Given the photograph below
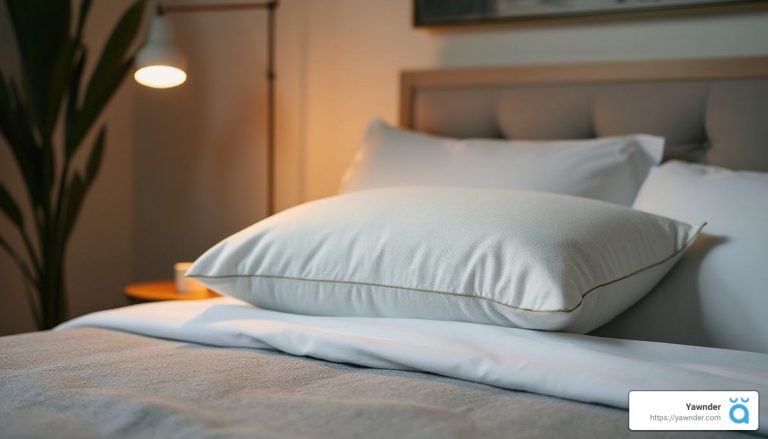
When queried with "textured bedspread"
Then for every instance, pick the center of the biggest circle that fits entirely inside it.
(85, 383)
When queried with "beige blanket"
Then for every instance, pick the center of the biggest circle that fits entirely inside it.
(93, 383)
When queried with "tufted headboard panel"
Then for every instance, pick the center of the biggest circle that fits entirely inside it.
(714, 111)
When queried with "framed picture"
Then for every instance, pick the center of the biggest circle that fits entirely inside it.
(442, 12)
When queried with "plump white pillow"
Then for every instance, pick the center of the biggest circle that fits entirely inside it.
(504, 257)
(718, 294)
(609, 169)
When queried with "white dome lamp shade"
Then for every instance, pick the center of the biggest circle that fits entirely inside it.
(159, 64)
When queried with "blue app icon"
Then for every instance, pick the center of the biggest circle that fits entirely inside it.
(739, 413)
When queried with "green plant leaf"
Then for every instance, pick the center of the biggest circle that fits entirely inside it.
(5, 245)
(85, 7)
(9, 207)
(90, 112)
(23, 145)
(62, 70)
(75, 196)
(48, 164)
(75, 81)
(18, 139)
(27, 273)
(94, 160)
(111, 68)
(80, 184)
(42, 34)
(7, 124)
(59, 81)
(70, 117)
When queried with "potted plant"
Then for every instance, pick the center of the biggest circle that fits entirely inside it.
(45, 118)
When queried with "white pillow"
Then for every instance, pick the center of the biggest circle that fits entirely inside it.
(609, 169)
(505, 257)
(718, 294)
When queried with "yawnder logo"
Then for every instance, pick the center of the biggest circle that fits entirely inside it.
(739, 413)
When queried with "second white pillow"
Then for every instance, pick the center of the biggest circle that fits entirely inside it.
(610, 169)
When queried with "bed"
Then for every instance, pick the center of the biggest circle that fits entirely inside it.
(224, 368)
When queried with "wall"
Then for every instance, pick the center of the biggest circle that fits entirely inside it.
(354, 51)
(101, 249)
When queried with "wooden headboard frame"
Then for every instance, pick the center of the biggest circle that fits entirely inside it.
(699, 69)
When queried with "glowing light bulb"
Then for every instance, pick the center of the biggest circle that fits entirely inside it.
(160, 76)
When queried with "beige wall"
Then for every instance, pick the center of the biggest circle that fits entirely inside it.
(101, 249)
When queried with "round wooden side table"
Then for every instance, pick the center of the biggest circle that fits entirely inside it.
(163, 290)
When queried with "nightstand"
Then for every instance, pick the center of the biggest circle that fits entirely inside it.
(162, 290)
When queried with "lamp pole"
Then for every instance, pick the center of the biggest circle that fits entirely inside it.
(271, 7)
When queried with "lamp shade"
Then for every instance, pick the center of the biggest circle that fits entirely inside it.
(159, 64)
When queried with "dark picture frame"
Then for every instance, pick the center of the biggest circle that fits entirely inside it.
(429, 13)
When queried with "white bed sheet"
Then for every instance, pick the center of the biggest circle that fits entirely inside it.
(577, 367)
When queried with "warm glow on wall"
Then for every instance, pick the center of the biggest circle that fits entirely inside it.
(160, 76)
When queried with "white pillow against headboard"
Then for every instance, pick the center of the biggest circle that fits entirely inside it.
(717, 295)
(610, 169)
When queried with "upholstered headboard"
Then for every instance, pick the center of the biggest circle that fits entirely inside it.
(715, 111)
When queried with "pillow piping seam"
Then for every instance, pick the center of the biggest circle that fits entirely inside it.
(465, 295)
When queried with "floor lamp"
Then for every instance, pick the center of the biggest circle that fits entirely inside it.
(159, 64)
